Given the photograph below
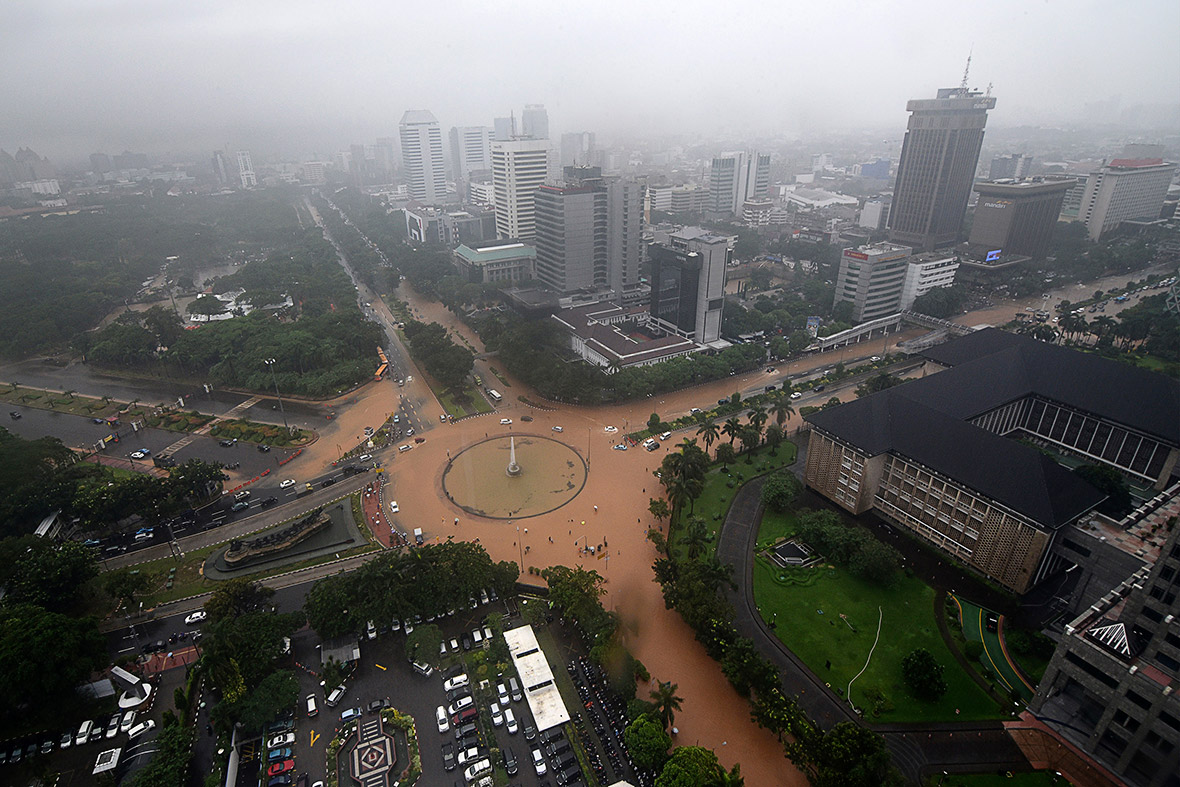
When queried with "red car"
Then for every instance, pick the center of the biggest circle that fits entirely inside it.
(280, 767)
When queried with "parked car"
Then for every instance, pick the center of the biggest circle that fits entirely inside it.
(141, 728)
(470, 754)
(312, 708)
(510, 722)
(510, 762)
(279, 754)
(280, 767)
(350, 714)
(539, 762)
(526, 418)
(127, 721)
(440, 717)
(505, 421)
(113, 726)
(448, 756)
(456, 682)
(558, 429)
(278, 741)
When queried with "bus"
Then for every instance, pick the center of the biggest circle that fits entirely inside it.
(494, 395)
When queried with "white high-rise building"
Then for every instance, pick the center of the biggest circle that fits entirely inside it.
(505, 128)
(422, 156)
(471, 149)
(534, 121)
(1124, 189)
(519, 168)
(246, 170)
(736, 177)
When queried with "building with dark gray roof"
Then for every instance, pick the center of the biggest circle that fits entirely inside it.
(935, 455)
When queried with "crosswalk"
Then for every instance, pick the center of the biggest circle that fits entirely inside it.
(228, 415)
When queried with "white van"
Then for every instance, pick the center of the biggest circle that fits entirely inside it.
(336, 695)
(83, 732)
(312, 710)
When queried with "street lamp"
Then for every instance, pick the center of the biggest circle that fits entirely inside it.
(271, 363)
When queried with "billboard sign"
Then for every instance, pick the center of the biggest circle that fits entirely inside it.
(992, 256)
(813, 324)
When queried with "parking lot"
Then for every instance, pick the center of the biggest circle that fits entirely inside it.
(383, 673)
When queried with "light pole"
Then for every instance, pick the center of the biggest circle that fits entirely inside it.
(271, 363)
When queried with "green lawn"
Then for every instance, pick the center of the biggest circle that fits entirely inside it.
(806, 603)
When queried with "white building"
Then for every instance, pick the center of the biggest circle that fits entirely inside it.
(927, 272)
(480, 192)
(422, 156)
(1124, 189)
(519, 168)
(44, 187)
(246, 170)
(315, 171)
(872, 278)
(736, 177)
(874, 214)
(534, 121)
(471, 149)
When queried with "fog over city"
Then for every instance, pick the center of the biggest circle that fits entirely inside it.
(297, 77)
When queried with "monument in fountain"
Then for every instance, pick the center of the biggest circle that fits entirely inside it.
(513, 468)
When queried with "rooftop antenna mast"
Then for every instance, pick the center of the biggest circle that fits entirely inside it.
(967, 70)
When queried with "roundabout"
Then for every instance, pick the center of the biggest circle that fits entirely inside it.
(514, 477)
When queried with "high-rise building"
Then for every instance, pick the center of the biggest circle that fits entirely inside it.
(872, 278)
(1016, 165)
(422, 156)
(937, 167)
(736, 177)
(688, 283)
(471, 150)
(519, 168)
(874, 214)
(505, 128)
(1123, 190)
(100, 163)
(534, 121)
(925, 272)
(220, 167)
(1109, 688)
(1017, 217)
(877, 169)
(246, 170)
(577, 148)
(588, 233)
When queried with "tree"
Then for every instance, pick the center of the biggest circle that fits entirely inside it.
(726, 455)
(732, 429)
(774, 438)
(875, 561)
(125, 586)
(1111, 483)
(237, 596)
(422, 644)
(690, 766)
(667, 703)
(695, 538)
(38, 571)
(647, 743)
(758, 417)
(708, 432)
(168, 767)
(44, 655)
(658, 508)
(848, 755)
(781, 408)
(747, 669)
(878, 382)
(207, 305)
(653, 422)
(781, 490)
(750, 436)
(923, 675)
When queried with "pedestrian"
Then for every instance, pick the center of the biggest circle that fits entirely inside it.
(596, 509)
(550, 539)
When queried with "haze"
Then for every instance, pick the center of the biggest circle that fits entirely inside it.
(295, 77)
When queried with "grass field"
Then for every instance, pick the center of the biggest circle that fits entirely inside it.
(722, 485)
(805, 605)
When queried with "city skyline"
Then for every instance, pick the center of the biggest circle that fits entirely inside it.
(295, 82)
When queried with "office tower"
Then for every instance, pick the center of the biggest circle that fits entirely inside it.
(422, 156)
(124, 160)
(471, 150)
(246, 170)
(534, 121)
(736, 177)
(937, 166)
(519, 168)
(100, 163)
(821, 161)
(588, 232)
(505, 128)
(878, 169)
(315, 171)
(220, 168)
(384, 156)
(874, 214)
(925, 272)
(1016, 165)
(1017, 217)
(872, 278)
(577, 148)
(1123, 190)
(1109, 688)
(688, 283)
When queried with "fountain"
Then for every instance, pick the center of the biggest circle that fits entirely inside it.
(513, 468)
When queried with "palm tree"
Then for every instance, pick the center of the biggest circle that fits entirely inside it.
(709, 432)
(667, 703)
(732, 778)
(696, 537)
(750, 436)
(726, 455)
(758, 417)
(781, 409)
(774, 436)
(732, 428)
(714, 573)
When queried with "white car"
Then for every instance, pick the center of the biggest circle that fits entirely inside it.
(558, 429)
(393, 508)
(797, 395)
(621, 447)
(505, 421)
(468, 755)
(128, 720)
(440, 716)
(279, 741)
(140, 454)
(364, 457)
(539, 762)
(510, 722)
(457, 682)
(290, 482)
(497, 716)
(371, 630)
(140, 729)
(461, 704)
(610, 429)
(195, 617)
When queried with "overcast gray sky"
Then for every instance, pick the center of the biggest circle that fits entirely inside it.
(292, 77)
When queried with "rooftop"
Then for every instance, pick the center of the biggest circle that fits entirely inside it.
(540, 690)
(504, 251)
